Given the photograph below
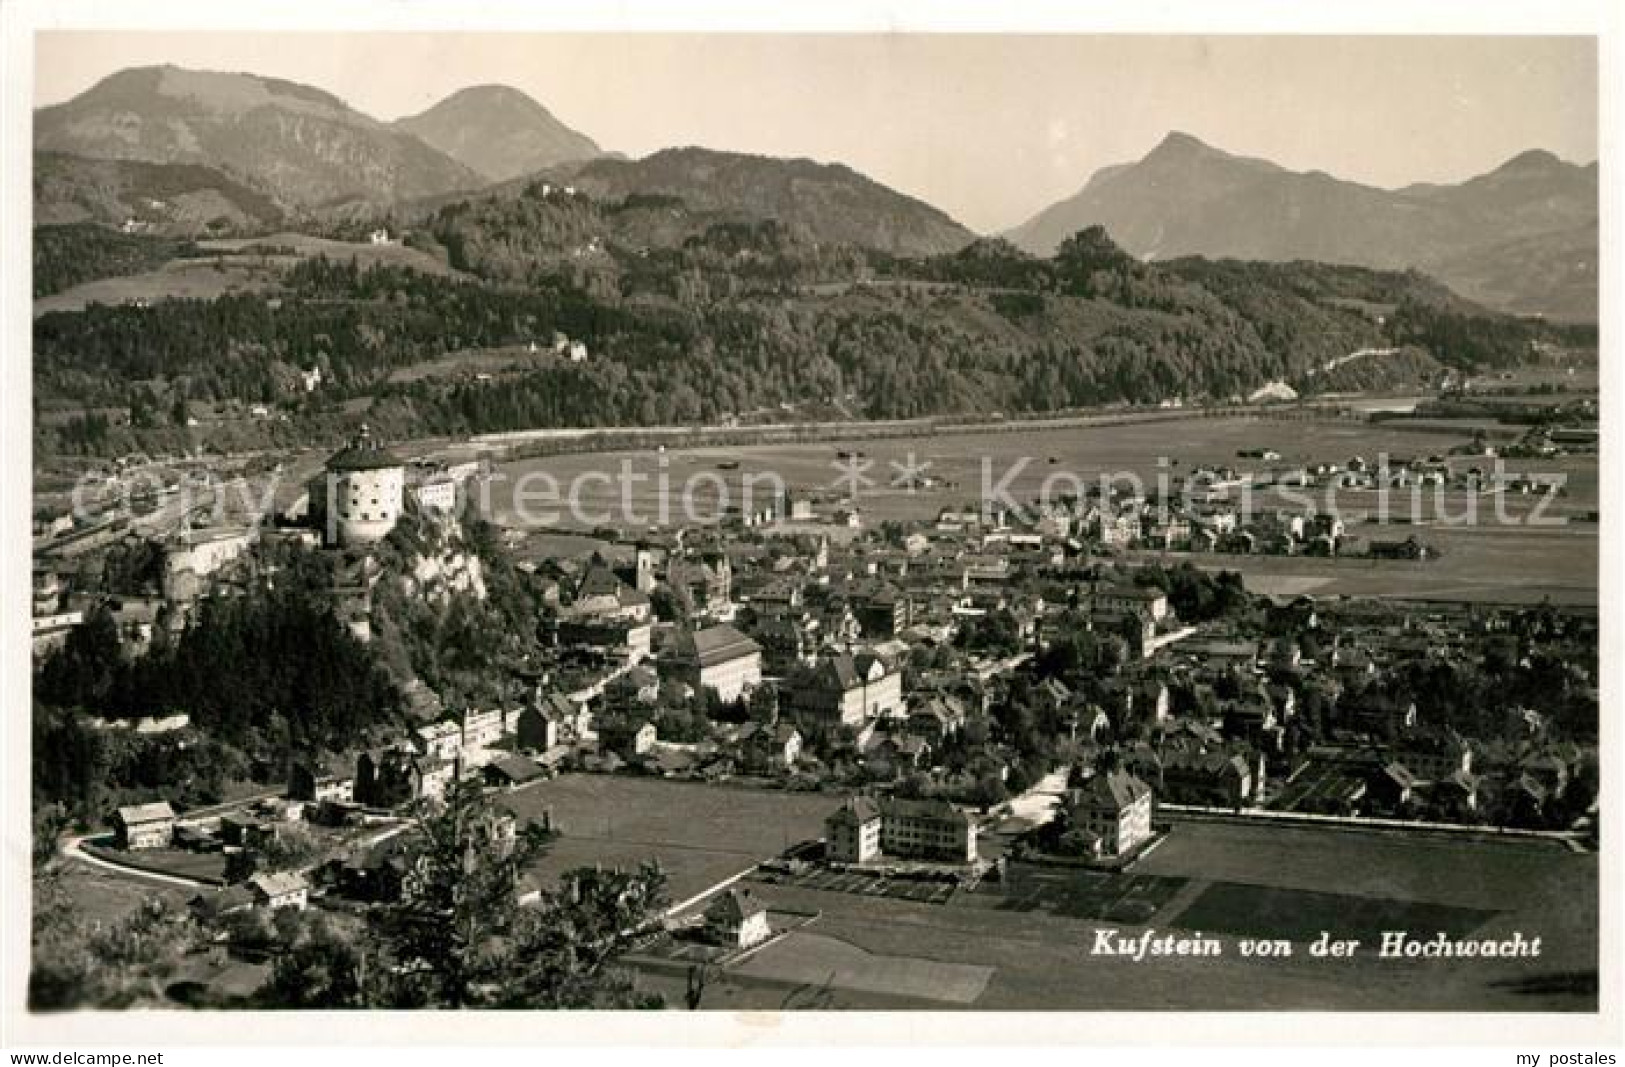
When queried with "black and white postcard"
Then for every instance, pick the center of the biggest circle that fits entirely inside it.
(715, 518)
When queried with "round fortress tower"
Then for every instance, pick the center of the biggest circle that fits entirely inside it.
(365, 488)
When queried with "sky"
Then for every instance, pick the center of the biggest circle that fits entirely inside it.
(989, 128)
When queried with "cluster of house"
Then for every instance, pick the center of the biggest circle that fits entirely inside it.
(145, 827)
(1239, 737)
(562, 347)
(844, 658)
(1221, 509)
(1448, 778)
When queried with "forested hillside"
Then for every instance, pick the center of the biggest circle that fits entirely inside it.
(693, 316)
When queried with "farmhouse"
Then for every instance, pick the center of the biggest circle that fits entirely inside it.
(1393, 786)
(509, 771)
(242, 829)
(537, 728)
(628, 738)
(311, 781)
(937, 718)
(439, 740)
(279, 889)
(770, 747)
(738, 919)
(142, 826)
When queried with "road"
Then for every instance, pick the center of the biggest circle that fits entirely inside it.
(1038, 804)
(72, 848)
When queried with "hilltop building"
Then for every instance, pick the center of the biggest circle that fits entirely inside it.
(359, 500)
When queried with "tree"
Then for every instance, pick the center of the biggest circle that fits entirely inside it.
(700, 976)
(106, 965)
(82, 673)
(50, 820)
(444, 942)
(565, 947)
(460, 938)
(321, 969)
(763, 703)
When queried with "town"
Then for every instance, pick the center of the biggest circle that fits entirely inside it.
(1056, 526)
(946, 702)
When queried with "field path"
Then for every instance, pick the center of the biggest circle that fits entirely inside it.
(73, 849)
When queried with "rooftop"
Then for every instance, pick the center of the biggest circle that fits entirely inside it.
(139, 813)
(362, 454)
(719, 644)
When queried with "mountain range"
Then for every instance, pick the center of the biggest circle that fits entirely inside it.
(303, 146)
(498, 132)
(833, 202)
(247, 152)
(315, 157)
(1522, 238)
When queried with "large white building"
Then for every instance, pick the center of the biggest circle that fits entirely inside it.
(1130, 599)
(196, 554)
(862, 829)
(719, 658)
(364, 489)
(845, 690)
(852, 833)
(1115, 807)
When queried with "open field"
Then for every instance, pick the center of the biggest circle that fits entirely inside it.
(1508, 875)
(1263, 879)
(469, 362)
(1077, 893)
(700, 834)
(290, 247)
(1490, 564)
(181, 279)
(102, 897)
(1492, 559)
(1263, 912)
(231, 266)
(1017, 461)
(202, 866)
